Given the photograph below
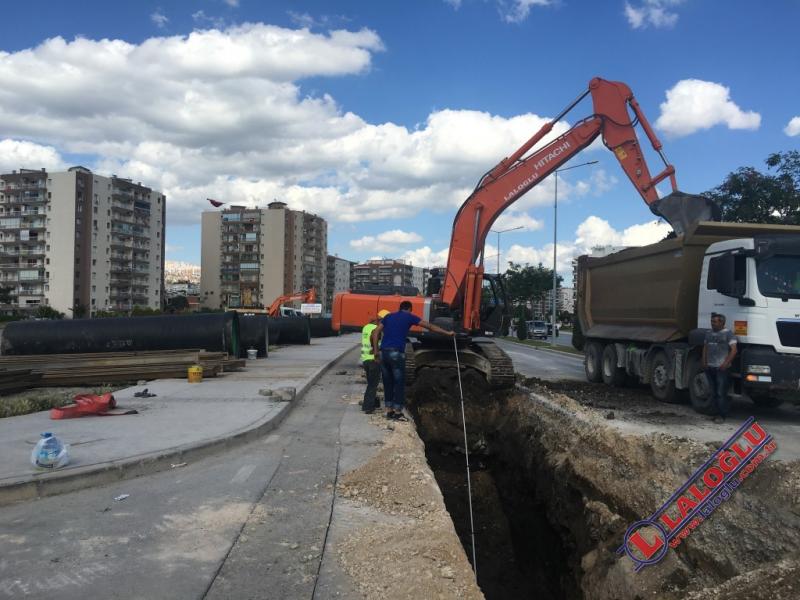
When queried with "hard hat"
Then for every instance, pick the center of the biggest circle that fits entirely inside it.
(382, 313)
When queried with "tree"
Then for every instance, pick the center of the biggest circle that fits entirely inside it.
(749, 196)
(528, 283)
(5, 295)
(47, 312)
(178, 303)
(79, 311)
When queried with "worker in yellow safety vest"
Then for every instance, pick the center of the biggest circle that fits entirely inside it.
(371, 366)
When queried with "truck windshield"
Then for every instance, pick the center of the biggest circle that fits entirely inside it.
(779, 276)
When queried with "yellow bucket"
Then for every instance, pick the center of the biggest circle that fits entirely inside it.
(195, 374)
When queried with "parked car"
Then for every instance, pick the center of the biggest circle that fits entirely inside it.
(537, 329)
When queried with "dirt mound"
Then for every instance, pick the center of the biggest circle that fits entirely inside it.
(415, 553)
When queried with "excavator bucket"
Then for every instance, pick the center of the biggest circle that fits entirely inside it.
(683, 211)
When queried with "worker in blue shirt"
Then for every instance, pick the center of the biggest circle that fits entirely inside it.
(392, 355)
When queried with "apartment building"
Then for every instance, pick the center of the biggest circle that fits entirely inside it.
(80, 242)
(339, 278)
(389, 272)
(250, 256)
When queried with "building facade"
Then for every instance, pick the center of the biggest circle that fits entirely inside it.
(389, 272)
(250, 256)
(79, 242)
(339, 278)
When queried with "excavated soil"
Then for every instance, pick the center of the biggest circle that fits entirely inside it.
(414, 551)
(556, 488)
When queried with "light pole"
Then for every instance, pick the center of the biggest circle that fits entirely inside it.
(498, 242)
(555, 244)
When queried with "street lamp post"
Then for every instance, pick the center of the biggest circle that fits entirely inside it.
(555, 246)
(498, 242)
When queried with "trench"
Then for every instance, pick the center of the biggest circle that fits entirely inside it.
(522, 548)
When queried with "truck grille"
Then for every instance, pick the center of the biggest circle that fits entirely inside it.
(789, 332)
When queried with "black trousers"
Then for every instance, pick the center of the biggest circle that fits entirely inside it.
(373, 371)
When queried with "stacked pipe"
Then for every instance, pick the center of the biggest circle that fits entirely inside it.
(216, 332)
(321, 328)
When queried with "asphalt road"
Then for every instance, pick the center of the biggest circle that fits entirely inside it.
(536, 362)
(196, 530)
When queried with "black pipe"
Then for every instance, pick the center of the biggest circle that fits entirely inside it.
(215, 332)
(289, 330)
(321, 328)
(254, 333)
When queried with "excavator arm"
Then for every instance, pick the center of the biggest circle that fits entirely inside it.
(515, 175)
(308, 296)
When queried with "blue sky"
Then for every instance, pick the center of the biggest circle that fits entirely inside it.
(382, 115)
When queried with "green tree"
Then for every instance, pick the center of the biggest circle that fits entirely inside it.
(528, 283)
(178, 303)
(750, 196)
(5, 295)
(47, 312)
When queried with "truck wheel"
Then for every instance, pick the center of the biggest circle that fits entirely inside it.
(592, 359)
(612, 374)
(764, 399)
(661, 384)
(699, 389)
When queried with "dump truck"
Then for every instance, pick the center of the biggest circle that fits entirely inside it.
(644, 312)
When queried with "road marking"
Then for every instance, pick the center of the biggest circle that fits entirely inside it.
(243, 474)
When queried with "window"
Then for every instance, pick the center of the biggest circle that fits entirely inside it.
(94, 261)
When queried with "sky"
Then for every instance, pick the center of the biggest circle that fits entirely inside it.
(382, 116)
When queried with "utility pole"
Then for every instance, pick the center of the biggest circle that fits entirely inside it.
(498, 242)
(555, 246)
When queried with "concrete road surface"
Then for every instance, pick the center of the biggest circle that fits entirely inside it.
(181, 533)
(551, 366)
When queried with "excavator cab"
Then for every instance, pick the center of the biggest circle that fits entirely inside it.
(494, 305)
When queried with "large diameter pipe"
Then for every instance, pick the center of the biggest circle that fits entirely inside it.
(254, 333)
(289, 330)
(321, 328)
(215, 332)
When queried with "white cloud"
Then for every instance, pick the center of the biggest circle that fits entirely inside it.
(387, 241)
(511, 219)
(15, 154)
(159, 19)
(592, 232)
(652, 13)
(232, 3)
(203, 20)
(518, 10)
(425, 257)
(693, 105)
(793, 127)
(219, 113)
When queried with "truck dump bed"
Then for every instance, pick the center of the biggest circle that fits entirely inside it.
(650, 294)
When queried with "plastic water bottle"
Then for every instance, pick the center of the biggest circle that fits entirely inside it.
(50, 453)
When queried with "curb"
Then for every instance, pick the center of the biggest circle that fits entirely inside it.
(52, 484)
(578, 356)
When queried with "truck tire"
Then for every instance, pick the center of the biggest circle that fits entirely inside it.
(763, 399)
(592, 361)
(612, 374)
(661, 384)
(699, 390)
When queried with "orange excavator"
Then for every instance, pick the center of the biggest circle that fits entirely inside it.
(308, 296)
(464, 298)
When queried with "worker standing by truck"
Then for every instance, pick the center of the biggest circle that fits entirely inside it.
(719, 350)
(371, 366)
(392, 355)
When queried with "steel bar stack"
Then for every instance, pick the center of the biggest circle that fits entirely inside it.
(108, 367)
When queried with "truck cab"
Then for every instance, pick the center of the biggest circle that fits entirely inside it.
(755, 283)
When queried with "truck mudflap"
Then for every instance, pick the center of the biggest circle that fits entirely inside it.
(764, 369)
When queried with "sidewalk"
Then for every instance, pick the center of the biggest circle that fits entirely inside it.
(182, 420)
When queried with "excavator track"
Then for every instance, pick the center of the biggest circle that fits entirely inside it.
(482, 355)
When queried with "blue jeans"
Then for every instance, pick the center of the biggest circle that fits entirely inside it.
(718, 382)
(393, 369)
